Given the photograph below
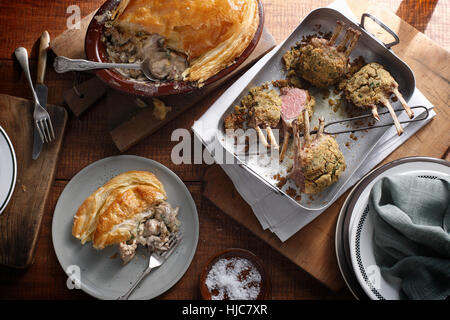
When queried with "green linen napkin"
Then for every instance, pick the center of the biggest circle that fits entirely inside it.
(412, 233)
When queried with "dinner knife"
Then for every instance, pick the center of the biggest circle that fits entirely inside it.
(41, 89)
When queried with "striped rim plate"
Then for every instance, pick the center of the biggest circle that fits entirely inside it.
(376, 285)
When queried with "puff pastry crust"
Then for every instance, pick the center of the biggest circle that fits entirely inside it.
(110, 214)
(212, 33)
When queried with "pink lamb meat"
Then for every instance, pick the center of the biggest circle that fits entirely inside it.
(294, 101)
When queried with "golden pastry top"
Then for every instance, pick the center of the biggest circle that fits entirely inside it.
(212, 33)
(111, 213)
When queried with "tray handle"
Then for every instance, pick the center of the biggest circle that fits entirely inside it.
(385, 27)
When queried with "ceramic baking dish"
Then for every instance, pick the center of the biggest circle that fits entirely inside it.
(96, 51)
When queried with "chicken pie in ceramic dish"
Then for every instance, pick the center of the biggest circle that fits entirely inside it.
(187, 40)
(129, 210)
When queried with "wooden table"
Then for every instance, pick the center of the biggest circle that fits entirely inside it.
(87, 140)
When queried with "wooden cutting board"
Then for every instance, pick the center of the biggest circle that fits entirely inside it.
(312, 248)
(20, 222)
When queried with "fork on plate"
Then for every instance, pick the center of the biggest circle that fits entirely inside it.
(41, 117)
(155, 261)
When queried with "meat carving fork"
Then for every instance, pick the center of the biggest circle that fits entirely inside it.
(423, 116)
(375, 125)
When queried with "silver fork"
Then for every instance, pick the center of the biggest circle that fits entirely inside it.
(155, 261)
(40, 115)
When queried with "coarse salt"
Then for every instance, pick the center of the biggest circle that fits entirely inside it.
(233, 279)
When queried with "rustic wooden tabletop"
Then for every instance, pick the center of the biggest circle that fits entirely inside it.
(87, 140)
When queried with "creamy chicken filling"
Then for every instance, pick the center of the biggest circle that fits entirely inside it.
(125, 47)
(152, 232)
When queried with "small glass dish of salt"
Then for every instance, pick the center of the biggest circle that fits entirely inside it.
(234, 274)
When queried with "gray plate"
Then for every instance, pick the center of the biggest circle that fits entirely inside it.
(344, 263)
(106, 278)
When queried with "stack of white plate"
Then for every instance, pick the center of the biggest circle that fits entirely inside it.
(8, 169)
(354, 230)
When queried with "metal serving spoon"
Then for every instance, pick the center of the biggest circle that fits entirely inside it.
(63, 64)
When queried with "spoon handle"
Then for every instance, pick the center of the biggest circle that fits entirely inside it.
(63, 64)
(22, 56)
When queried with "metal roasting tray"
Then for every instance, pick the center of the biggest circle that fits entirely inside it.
(355, 148)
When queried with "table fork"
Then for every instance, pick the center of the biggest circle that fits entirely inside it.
(41, 117)
(155, 261)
